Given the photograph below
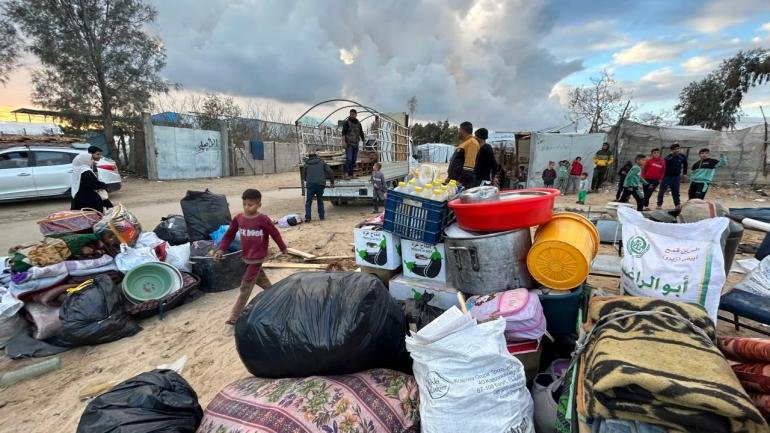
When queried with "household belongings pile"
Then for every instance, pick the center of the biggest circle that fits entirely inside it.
(91, 274)
(487, 254)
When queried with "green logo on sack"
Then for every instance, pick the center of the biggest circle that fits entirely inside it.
(638, 246)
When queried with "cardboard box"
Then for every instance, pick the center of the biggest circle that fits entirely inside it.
(444, 297)
(528, 352)
(377, 249)
(424, 261)
(385, 275)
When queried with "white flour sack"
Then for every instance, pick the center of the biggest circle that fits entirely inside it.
(467, 379)
(676, 262)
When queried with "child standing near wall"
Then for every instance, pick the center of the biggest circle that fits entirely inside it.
(585, 185)
(562, 175)
(549, 175)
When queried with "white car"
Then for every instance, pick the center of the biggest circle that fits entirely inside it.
(28, 172)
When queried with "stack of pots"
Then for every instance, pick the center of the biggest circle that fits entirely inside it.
(491, 249)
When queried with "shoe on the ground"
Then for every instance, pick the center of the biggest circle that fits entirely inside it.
(375, 211)
(658, 207)
(646, 209)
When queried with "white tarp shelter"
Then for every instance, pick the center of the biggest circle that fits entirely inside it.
(436, 152)
(545, 147)
(745, 149)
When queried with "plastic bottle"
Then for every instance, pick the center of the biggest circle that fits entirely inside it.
(401, 187)
(452, 188)
(411, 186)
(438, 195)
(417, 191)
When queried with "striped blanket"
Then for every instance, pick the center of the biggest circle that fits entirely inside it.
(644, 363)
(374, 401)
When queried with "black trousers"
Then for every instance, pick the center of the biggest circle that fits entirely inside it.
(696, 190)
(621, 181)
(649, 190)
(633, 191)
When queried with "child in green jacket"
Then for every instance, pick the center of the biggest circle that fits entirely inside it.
(703, 174)
(634, 182)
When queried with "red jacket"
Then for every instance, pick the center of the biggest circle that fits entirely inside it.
(254, 236)
(577, 169)
(654, 169)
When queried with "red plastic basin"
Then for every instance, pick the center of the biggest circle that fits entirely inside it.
(516, 209)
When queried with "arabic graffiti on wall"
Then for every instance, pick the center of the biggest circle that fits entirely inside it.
(206, 145)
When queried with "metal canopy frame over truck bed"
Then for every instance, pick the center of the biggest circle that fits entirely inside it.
(386, 136)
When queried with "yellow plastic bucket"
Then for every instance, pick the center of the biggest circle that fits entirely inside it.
(561, 256)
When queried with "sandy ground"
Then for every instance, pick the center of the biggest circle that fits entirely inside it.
(50, 403)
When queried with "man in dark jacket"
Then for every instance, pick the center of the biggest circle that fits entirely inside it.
(316, 173)
(486, 164)
(352, 133)
(676, 166)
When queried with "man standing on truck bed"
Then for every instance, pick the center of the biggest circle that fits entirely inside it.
(352, 133)
(463, 163)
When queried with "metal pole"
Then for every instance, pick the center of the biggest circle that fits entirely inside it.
(764, 162)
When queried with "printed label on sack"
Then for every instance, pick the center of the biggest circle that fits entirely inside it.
(496, 380)
(437, 386)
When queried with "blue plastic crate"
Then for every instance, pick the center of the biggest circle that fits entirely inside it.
(416, 218)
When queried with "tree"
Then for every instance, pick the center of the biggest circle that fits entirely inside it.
(9, 49)
(411, 104)
(715, 101)
(216, 108)
(703, 103)
(601, 103)
(96, 57)
(438, 132)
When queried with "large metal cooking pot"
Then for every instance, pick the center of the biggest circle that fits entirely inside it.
(480, 264)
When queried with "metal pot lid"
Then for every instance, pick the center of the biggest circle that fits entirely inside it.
(454, 231)
(480, 194)
(513, 195)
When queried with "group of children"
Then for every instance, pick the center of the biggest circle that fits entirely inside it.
(568, 178)
(639, 180)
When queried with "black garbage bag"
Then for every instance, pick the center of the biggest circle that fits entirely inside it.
(173, 229)
(156, 401)
(95, 315)
(316, 323)
(418, 313)
(204, 213)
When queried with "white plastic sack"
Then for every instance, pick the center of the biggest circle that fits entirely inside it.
(179, 257)
(8, 304)
(676, 262)
(129, 258)
(148, 239)
(758, 280)
(467, 379)
(10, 321)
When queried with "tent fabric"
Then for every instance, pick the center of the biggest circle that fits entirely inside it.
(555, 147)
(436, 152)
(744, 148)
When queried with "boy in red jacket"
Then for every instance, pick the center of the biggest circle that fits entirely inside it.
(652, 172)
(254, 229)
(576, 170)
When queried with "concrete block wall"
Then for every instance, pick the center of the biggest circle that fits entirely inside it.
(285, 158)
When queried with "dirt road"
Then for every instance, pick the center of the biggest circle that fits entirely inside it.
(50, 403)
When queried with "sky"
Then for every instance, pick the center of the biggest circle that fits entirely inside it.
(502, 64)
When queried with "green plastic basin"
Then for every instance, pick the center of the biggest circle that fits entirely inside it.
(150, 281)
